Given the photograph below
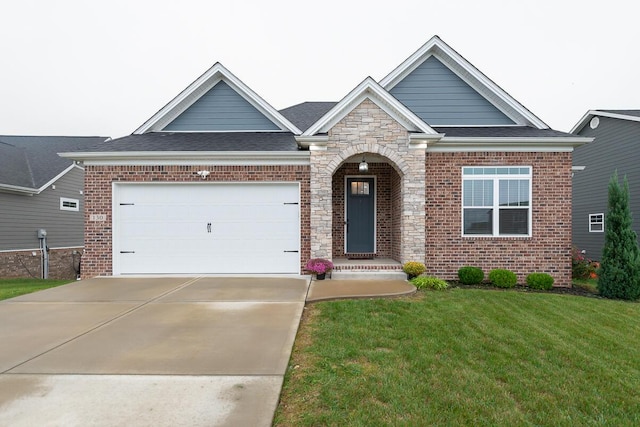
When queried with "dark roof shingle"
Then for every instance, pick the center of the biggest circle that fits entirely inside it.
(33, 161)
(199, 141)
(500, 132)
(307, 113)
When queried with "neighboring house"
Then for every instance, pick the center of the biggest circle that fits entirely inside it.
(616, 147)
(41, 190)
(218, 181)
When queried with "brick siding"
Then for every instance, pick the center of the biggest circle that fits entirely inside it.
(386, 225)
(97, 259)
(548, 250)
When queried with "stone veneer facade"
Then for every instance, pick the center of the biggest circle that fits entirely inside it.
(548, 250)
(97, 258)
(63, 263)
(368, 129)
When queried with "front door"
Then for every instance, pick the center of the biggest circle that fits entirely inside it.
(360, 224)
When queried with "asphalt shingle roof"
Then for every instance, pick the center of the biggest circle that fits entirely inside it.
(199, 141)
(500, 132)
(305, 114)
(33, 161)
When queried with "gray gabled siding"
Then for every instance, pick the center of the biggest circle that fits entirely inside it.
(221, 109)
(22, 215)
(439, 97)
(616, 146)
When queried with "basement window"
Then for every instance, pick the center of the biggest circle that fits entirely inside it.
(69, 204)
(596, 223)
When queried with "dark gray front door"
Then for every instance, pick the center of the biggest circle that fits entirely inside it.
(360, 215)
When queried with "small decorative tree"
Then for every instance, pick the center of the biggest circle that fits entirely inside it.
(619, 275)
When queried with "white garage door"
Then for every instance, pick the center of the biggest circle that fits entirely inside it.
(206, 228)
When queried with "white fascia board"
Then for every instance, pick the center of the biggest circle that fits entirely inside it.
(32, 191)
(60, 175)
(591, 113)
(548, 144)
(468, 73)
(17, 189)
(199, 87)
(370, 89)
(313, 143)
(170, 158)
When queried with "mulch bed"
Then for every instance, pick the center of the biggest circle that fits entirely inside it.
(574, 290)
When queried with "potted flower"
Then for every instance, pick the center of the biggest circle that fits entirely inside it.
(413, 269)
(319, 267)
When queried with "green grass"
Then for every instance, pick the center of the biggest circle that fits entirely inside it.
(465, 357)
(10, 288)
(590, 285)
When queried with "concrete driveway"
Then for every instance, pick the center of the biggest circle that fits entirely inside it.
(169, 351)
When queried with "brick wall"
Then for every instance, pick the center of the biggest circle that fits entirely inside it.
(63, 263)
(98, 183)
(549, 248)
(384, 212)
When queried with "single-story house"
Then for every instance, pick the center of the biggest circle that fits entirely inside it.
(433, 163)
(40, 190)
(616, 147)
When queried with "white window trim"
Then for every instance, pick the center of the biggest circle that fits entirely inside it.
(64, 200)
(591, 216)
(496, 197)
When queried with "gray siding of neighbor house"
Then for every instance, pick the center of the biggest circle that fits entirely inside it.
(21, 215)
(439, 97)
(616, 147)
(221, 109)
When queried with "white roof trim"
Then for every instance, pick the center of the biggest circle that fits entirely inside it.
(591, 113)
(470, 74)
(540, 144)
(235, 158)
(32, 191)
(370, 89)
(202, 85)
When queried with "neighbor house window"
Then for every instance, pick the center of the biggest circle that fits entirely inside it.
(69, 204)
(496, 201)
(596, 223)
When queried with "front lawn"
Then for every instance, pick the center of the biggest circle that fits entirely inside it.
(10, 288)
(465, 357)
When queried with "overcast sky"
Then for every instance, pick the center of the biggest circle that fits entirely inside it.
(72, 67)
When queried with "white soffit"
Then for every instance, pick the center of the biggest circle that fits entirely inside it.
(370, 89)
(202, 85)
(470, 75)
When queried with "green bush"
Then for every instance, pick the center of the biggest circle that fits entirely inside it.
(503, 278)
(413, 269)
(540, 281)
(422, 282)
(470, 275)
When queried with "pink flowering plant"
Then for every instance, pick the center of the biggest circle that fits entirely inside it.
(319, 265)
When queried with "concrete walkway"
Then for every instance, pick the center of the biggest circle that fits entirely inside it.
(148, 351)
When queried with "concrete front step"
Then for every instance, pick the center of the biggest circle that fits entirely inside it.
(368, 275)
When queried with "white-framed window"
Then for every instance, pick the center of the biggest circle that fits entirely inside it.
(496, 201)
(596, 223)
(69, 204)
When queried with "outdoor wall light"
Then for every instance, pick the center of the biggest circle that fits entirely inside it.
(203, 174)
(364, 166)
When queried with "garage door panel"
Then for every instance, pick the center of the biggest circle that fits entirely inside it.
(164, 228)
